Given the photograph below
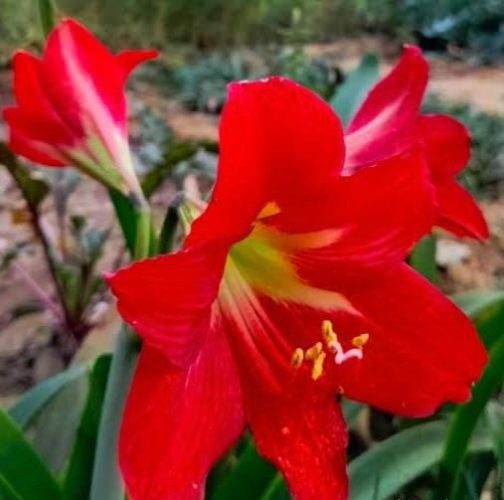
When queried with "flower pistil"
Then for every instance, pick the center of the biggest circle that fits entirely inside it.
(317, 354)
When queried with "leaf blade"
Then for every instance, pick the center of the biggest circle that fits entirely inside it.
(351, 94)
(77, 480)
(21, 467)
(385, 468)
(25, 410)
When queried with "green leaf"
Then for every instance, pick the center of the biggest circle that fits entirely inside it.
(127, 216)
(36, 399)
(351, 94)
(53, 430)
(423, 258)
(168, 231)
(77, 481)
(351, 410)
(34, 189)
(20, 466)
(277, 489)
(385, 468)
(248, 480)
(475, 474)
(71, 284)
(176, 153)
(477, 303)
(46, 14)
(464, 421)
(495, 419)
(7, 492)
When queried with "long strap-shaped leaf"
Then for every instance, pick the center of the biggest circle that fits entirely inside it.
(6, 490)
(250, 478)
(351, 94)
(487, 312)
(387, 467)
(21, 468)
(34, 401)
(464, 422)
(77, 480)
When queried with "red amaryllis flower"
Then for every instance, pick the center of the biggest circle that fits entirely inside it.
(389, 121)
(290, 289)
(71, 106)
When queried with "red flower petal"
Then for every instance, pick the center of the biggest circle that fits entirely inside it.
(459, 212)
(83, 80)
(385, 123)
(168, 300)
(422, 350)
(307, 443)
(33, 150)
(34, 136)
(279, 143)
(38, 127)
(129, 59)
(27, 85)
(179, 422)
(381, 212)
(446, 143)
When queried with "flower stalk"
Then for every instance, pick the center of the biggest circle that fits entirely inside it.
(46, 15)
(106, 481)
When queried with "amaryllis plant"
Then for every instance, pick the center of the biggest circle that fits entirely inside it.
(389, 122)
(291, 287)
(71, 106)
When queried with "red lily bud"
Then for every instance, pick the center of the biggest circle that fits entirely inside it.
(71, 106)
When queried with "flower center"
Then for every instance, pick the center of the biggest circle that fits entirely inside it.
(264, 260)
(317, 355)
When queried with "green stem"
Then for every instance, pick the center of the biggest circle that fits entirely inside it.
(107, 483)
(46, 15)
(143, 224)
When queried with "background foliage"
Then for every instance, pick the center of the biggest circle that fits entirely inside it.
(459, 452)
(219, 23)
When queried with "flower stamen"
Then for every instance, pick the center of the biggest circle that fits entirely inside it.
(314, 352)
(361, 340)
(318, 366)
(329, 336)
(332, 343)
(317, 354)
(297, 358)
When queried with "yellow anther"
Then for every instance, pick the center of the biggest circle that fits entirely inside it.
(313, 352)
(328, 334)
(318, 366)
(297, 358)
(269, 209)
(360, 341)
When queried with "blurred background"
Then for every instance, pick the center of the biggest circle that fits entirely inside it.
(57, 233)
